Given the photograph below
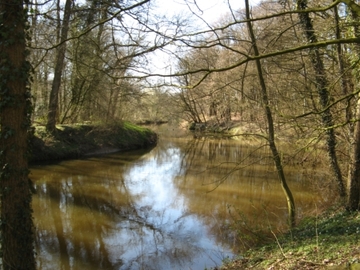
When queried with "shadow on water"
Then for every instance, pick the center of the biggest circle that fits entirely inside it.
(163, 209)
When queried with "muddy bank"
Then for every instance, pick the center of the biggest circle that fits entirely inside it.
(77, 141)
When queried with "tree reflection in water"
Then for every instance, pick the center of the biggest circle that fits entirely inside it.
(154, 210)
(119, 212)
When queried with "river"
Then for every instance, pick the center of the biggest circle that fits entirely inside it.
(171, 207)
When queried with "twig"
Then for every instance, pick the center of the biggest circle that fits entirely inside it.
(278, 243)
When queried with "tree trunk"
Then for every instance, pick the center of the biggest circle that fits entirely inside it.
(346, 82)
(353, 181)
(17, 238)
(270, 123)
(353, 185)
(322, 89)
(54, 94)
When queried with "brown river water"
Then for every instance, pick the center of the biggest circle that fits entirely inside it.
(167, 208)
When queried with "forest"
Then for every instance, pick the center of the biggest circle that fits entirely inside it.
(283, 70)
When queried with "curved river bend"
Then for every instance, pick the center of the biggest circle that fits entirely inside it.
(168, 208)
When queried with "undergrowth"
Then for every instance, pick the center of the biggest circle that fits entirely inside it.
(328, 241)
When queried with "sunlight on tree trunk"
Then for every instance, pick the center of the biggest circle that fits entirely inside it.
(54, 94)
(322, 85)
(271, 132)
(353, 181)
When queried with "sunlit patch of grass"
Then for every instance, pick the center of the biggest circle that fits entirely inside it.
(318, 242)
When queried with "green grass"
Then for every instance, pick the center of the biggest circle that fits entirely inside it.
(330, 241)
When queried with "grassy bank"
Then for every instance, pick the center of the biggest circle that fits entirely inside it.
(76, 141)
(329, 241)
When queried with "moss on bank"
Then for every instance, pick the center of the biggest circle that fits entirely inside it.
(76, 141)
(330, 241)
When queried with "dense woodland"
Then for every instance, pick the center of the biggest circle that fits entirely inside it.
(283, 67)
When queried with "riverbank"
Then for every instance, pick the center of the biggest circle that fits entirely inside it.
(78, 141)
(327, 241)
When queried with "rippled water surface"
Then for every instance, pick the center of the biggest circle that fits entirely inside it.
(167, 208)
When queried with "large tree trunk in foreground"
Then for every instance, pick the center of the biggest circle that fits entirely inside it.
(353, 181)
(353, 185)
(17, 238)
(270, 123)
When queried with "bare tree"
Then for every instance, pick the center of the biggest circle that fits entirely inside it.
(270, 123)
(322, 86)
(353, 180)
(60, 56)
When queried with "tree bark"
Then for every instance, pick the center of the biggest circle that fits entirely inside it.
(17, 237)
(322, 85)
(270, 123)
(353, 185)
(55, 89)
(346, 83)
(353, 181)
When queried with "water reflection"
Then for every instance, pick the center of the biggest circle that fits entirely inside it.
(154, 210)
